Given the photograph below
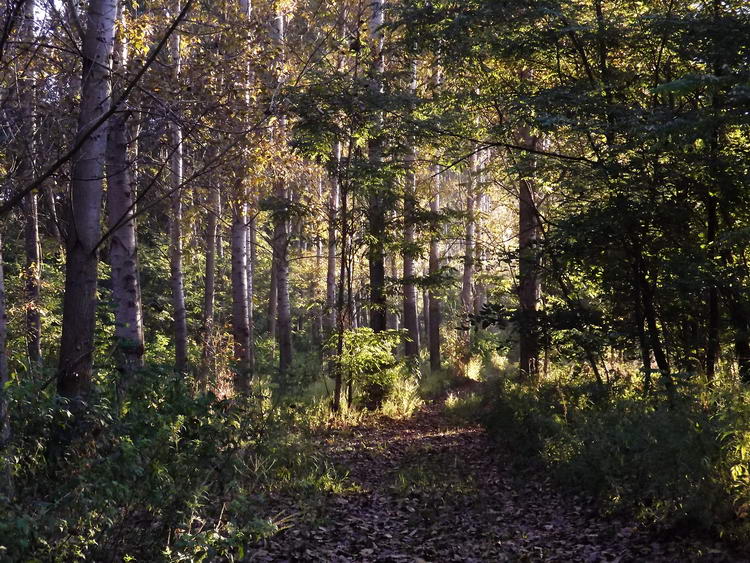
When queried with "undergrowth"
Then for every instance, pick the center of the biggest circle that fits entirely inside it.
(683, 463)
(162, 474)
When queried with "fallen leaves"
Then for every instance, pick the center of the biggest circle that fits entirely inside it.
(425, 491)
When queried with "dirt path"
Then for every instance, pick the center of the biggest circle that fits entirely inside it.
(424, 490)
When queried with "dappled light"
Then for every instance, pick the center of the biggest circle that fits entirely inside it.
(375, 280)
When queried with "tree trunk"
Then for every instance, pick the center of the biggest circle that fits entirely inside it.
(643, 344)
(649, 313)
(425, 323)
(209, 285)
(411, 319)
(33, 279)
(32, 273)
(84, 230)
(284, 320)
(6, 486)
(344, 311)
(251, 262)
(240, 318)
(529, 288)
(318, 311)
(376, 206)
(123, 258)
(480, 289)
(273, 292)
(467, 292)
(281, 232)
(392, 315)
(712, 344)
(175, 224)
(329, 318)
(435, 312)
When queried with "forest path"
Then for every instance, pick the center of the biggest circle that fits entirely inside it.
(425, 489)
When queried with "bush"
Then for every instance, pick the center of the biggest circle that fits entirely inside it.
(162, 474)
(682, 463)
(367, 360)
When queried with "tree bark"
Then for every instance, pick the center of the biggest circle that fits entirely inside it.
(434, 268)
(175, 223)
(251, 262)
(480, 289)
(529, 288)
(411, 319)
(273, 292)
(467, 290)
(84, 230)
(209, 291)
(281, 236)
(329, 317)
(240, 317)
(376, 206)
(123, 257)
(7, 485)
(712, 344)
(32, 273)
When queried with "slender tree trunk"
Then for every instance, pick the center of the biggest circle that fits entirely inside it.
(376, 206)
(33, 279)
(480, 289)
(209, 292)
(123, 257)
(411, 319)
(642, 338)
(281, 242)
(317, 320)
(32, 273)
(467, 290)
(712, 344)
(343, 302)
(329, 318)
(52, 219)
(273, 292)
(435, 311)
(240, 317)
(251, 262)
(529, 288)
(392, 316)
(84, 230)
(175, 224)
(649, 312)
(425, 324)
(281, 234)
(6, 486)
(248, 228)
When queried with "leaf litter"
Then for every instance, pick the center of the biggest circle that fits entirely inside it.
(425, 489)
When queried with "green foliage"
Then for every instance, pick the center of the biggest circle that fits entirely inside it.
(685, 463)
(367, 360)
(162, 474)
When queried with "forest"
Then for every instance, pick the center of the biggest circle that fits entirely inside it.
(375, 280)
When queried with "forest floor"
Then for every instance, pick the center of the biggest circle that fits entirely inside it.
(428, 489)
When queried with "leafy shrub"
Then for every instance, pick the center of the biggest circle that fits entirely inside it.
(682, 463)
(367, 360)
(162, 473)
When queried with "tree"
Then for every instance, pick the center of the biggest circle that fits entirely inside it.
(377, 201)
(83, 223)
(411, 320)
(175, 217)
(123, 252)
